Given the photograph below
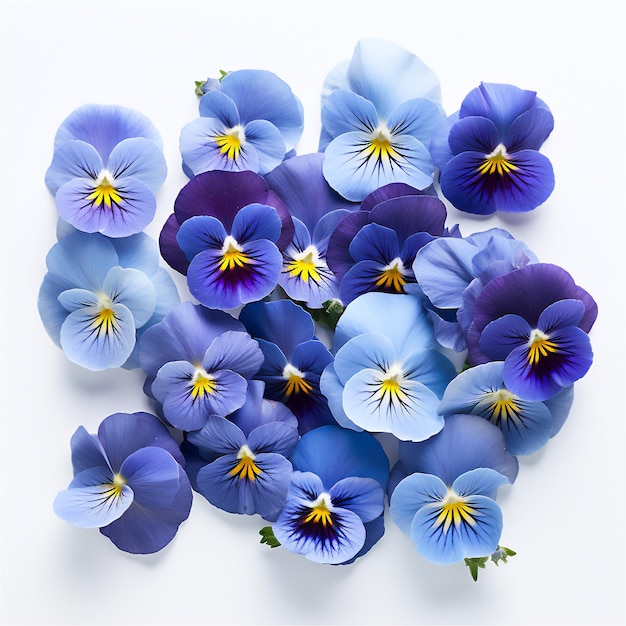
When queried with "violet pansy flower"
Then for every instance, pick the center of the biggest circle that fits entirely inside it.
(128, 481)
(107, 166)
(491, 161)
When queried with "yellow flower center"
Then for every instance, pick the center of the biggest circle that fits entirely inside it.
(202, 383)
(246, 467)
(498, 162)
(295, 381)
(380, 145)
(105, 192)
(391, 385)
(503, 406)
(320, 512)
(231, 141)
(540, 346)
(393, 276)
(305, 265)
(232, 255)
(455, 510)
(104, 322)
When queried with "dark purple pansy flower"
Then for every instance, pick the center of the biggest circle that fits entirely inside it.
(491, 161)
(373, 249)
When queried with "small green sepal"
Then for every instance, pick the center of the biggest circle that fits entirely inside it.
(199, 84)
(267, 536)
(500, 554)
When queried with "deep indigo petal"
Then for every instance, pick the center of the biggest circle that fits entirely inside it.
(168, 244)
(498, 102)
(256, 221)
(560, 315)
(474, 134)
(529, 130)
(228, 289)
(87, 451)
(522, 188)
(337, 254)
(503, 335)
(375, 242)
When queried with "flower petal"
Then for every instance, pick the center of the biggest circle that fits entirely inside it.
(73, 159)
(138, 158)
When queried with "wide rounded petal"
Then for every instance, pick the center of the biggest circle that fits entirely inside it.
(345, 111)
(152, 474)
(474, 533)
(225, 486)
(92, 500)
(218, 435)
(128, 211)
(138, 158)
(419, 117)
(256, 221)
(169, 247)
(87, 451)
(230, 288)
(74, 159)
(529, 130)
(332, 388)
(374, 351)
(104, 126)
(134, 290)
(144, 531)
(363, 496)
(218, 105)
(473, 134)
(236, 351)
(98, 338)
(353, 170)
(268, 144)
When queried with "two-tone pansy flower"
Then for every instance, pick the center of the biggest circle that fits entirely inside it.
(107, 166)
(99, 295)
(226, 234)
(129, 482)
(249, 120)
(527, 425)
(246, 470)
(443, 490)
(387, 375)
(373, 249)
(316, 210)
(380, 112)
(334, 507)
(536, 320)
(198, 362)
(490, 160)
(294, 359)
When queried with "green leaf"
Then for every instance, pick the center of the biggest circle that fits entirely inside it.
(222, 75)
(330, 313)
(267, 536)
(474, 564)
(198, 84)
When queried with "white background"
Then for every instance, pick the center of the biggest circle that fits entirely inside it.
(564, 515)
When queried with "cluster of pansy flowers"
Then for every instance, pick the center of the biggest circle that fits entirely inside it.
(460, 350)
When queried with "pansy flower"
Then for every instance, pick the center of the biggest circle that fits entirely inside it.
(387, 375)
(249, 120)
(316, 210)
(107, 166)
(226, 234)
(443, 490)
(526, 425)
(335, 502)
(493, 163)
(249, 470)
(379, 114)
(373, 249)
(294, 359)
(198, 362)
(100, 294)
(536, 320)
(129, 482)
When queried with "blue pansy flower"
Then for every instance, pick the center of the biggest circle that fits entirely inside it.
(100, 294)
(378, 119)
(526, 425)
(316, 210)
(107, 166)
(128, 481)
(387, 375)
(249, 470)
(443, 490)
(335, 502)
(198, 362)
(492, 162)
(294, 359)
(249, 120)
